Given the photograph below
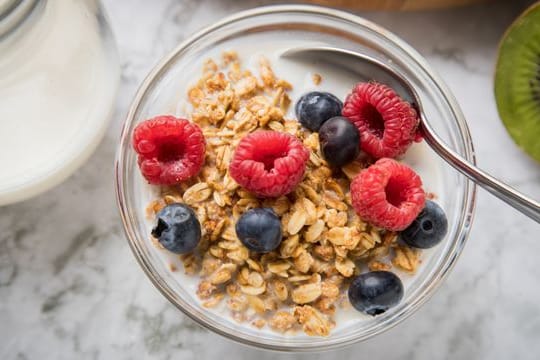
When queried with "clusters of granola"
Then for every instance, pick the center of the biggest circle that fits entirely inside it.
(325, 243)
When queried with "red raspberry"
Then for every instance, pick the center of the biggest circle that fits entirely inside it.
(170, 150)
(388, 194)
(269, 163)
(388, 125)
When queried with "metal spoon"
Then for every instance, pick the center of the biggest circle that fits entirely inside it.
(381, 72)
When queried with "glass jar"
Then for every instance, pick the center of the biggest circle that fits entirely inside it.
(159, 94)
(59, 74)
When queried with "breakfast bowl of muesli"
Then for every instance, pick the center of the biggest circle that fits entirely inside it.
(291, 204)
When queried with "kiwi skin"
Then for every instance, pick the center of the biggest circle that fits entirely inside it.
(517, 81)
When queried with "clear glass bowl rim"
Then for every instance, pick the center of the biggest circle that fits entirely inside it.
(319, 344)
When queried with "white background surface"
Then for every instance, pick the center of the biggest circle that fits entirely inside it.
(70, 288)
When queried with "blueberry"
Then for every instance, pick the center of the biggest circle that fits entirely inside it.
(375, 292)
(428, 229)
(339, 140)
(259, 230)
(178, 228)
(315, 107)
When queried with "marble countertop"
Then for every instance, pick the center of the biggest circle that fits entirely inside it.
(71, 289)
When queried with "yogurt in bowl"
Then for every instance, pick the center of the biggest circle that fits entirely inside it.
(166, 92)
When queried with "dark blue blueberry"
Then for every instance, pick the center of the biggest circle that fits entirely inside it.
(315, 107)
(259, 230)
(178, 228)
(339, 140)
(428, 229)
(375, 292)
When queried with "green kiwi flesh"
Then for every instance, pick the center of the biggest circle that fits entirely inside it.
(517, 81)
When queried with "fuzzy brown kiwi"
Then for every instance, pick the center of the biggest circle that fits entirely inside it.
(517, 81)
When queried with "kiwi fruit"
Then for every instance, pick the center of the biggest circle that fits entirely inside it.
(517, 81)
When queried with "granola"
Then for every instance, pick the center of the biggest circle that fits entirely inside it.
(300, 285)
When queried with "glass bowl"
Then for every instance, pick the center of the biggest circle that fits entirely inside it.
(160, 94)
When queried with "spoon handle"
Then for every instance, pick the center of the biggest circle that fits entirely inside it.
(506, 193)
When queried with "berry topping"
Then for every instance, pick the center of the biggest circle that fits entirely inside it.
(375, 292)
(428, 229)
(315, 107)
(259, 230)
(388, 125)
(177, 229)
(339, 141)
(170, 150)
(388, 194)
(269, 163)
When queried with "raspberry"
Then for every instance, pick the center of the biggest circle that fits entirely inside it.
(269, 163)
(170, 149)
(388, 125)
(388, 194)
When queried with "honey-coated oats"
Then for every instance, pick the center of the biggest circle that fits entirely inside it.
(300, 285)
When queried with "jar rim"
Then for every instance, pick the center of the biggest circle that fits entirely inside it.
(15, 13)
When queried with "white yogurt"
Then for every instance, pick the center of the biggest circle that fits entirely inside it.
(57, 87)
(299, 74)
